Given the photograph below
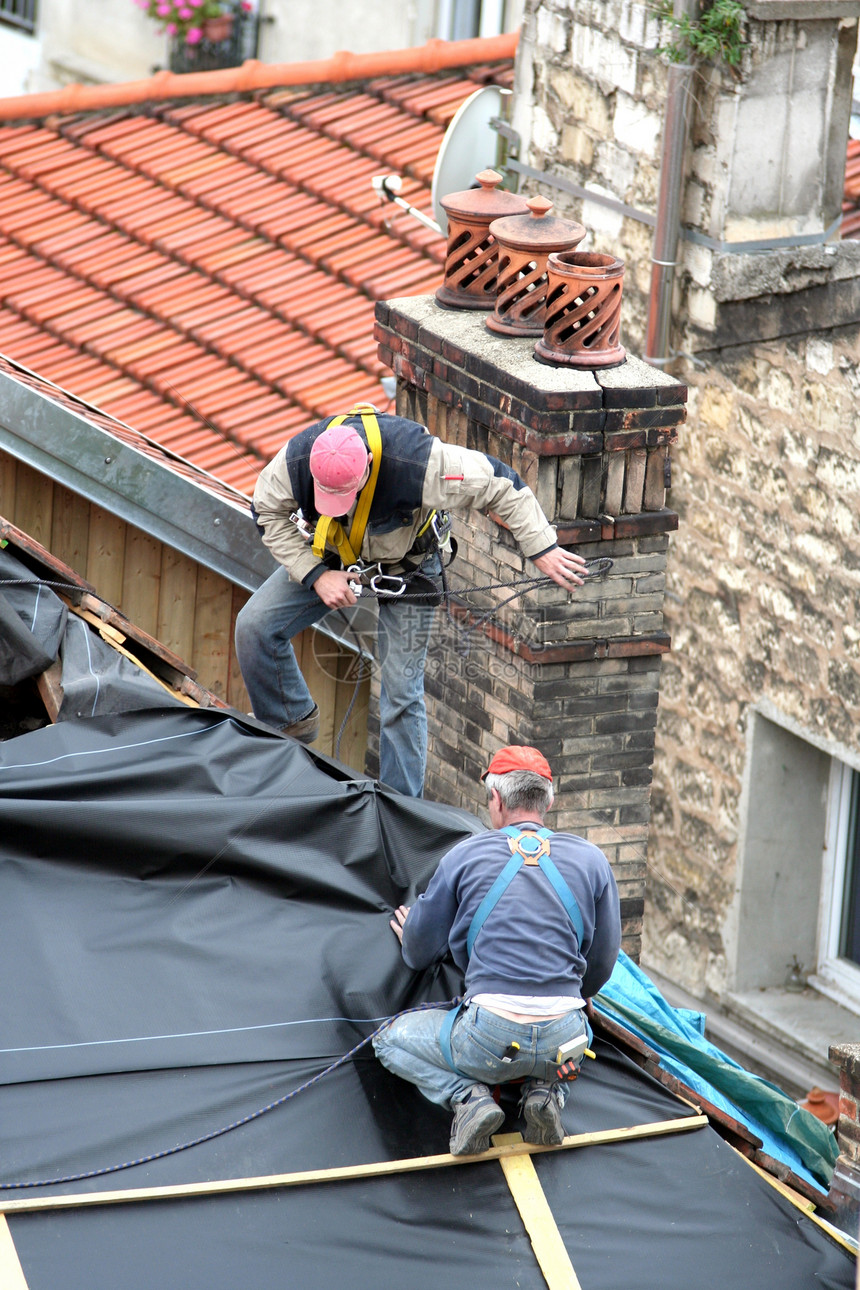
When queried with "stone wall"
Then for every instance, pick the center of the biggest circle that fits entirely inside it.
(577, 676)
(766, 154)
(763, 605)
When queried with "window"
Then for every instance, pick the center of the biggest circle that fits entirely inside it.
(463, 19)
(838, 968)
(797, 898)
(19, 13)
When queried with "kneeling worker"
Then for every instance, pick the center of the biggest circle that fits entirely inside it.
(532, 919)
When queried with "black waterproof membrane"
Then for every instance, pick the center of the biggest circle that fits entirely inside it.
(195, 924)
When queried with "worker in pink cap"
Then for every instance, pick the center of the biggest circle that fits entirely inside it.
(375, 489)
(532, 919)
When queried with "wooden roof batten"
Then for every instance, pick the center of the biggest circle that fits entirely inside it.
(171, 499)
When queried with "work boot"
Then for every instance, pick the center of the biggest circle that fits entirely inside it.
(475, 1118)
(306, 730)
(541, 1108)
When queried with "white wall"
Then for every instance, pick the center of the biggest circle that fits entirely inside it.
(19, 55)
(113, 40)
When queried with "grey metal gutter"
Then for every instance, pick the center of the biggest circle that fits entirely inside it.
(204, 524)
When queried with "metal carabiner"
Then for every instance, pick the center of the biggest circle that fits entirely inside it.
(354, 573)
(393, 578)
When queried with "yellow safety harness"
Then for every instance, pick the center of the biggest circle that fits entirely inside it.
(331, 530)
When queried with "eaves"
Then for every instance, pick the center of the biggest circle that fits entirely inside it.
(162, 495)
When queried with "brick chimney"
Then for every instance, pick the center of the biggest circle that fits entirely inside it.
(845, 1186)
(578, 677)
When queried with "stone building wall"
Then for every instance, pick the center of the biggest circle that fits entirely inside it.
(766, 153)
(763, 604)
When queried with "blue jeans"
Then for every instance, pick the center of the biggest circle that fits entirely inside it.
(409, 1047)
(280, 609)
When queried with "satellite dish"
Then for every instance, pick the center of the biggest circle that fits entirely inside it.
(470, 144)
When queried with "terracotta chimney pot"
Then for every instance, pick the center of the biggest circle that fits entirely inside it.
(471, 265)
(583, 311)
(525, 244)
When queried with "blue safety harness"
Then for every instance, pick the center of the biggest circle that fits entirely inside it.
(528, 847)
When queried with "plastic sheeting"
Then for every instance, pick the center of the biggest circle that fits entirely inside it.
(36, 629)
(195, 922)
(788, 1133)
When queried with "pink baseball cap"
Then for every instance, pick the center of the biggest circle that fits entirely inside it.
(338, 461)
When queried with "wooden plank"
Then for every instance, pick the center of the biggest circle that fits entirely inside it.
(8, 473)
(71, 528)
(11, 1273)
(319, 662)
(33, 504)
(141, 579)
(521, 1177)
(176, 603)
(106, 553)
(237, 695)
(806, 1206)
(211, 647)
(51, 692)
(344, 1173)
(353, 745)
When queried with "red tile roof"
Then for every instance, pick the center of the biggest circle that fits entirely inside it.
(205, 269)
(851, 191)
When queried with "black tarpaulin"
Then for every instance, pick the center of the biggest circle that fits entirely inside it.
(195, 922)
(36, 629)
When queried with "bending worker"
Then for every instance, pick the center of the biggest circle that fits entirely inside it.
(532, 919)
(373, 488)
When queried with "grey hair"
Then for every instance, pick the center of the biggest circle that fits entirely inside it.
(521, 790)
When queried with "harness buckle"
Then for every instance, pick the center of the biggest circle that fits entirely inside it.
(302, 525)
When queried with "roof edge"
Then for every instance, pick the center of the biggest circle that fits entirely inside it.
(436, 55)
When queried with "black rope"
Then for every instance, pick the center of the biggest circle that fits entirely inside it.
(226, 1128)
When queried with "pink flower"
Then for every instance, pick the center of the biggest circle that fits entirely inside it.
(246, 6)
(164, 10)
(185, 13)
(171, 29)
(193, 36)
(195, 4)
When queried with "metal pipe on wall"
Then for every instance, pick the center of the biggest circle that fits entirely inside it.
(668, 228)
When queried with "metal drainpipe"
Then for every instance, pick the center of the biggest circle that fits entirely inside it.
(668, 227)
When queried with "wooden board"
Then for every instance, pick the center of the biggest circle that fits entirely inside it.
(71, 528)
(141, 580)
(106, 553)
(31, 1203)
(176, 602)
(550, 1252)
(8, 474)
(211, 648)
(11, 1273)
(33, 504)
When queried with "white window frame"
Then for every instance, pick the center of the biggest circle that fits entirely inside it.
(836, 977)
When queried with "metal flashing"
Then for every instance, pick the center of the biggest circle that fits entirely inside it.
(63, 444)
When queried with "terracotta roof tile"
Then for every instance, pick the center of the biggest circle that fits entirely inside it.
(207, 270)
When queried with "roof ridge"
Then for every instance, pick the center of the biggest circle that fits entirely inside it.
(436, 55)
